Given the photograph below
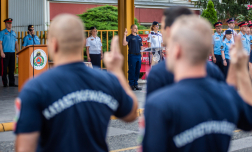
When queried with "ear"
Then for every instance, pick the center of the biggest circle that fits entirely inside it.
(55, 45)
(177, 52)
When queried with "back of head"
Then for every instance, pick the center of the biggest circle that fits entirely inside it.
(172, 13)
(68, 30)
(194, 36)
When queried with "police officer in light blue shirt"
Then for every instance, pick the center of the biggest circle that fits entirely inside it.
(231, 25)
(225, 51)
(245, 38)
(28, 40)
(8, 44)
(217, 45)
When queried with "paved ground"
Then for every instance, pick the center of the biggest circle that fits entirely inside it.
(121, 136)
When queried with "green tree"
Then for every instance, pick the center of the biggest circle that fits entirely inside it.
(226, 9)
(210, 13)
(104, 18)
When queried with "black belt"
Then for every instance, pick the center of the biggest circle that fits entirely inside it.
(134, 53)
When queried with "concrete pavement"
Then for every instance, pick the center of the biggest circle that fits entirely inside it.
(121, 136)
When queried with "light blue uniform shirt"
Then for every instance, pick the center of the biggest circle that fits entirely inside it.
(245, 42)
(28, 40)
(8, 40)
(217, 42)
(226, 47)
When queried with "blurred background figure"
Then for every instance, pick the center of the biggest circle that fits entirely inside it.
(155, 40)
(94, 48)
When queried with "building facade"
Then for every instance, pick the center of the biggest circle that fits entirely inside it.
(146, 11)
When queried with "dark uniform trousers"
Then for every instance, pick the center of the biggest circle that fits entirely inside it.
(95, 60)
(8, 61)
(219, 62)
(134, 63)
(225, 69)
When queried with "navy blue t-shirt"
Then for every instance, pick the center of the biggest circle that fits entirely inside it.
(160, 77)
(134, 43)
(194, 115)
(71, 105)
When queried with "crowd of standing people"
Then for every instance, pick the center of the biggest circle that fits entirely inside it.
(190, 105)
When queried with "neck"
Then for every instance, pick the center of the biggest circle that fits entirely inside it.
(243, 32)
(60, 59)
(228, 39)
(231, 28)
(9, 29)
(133, 33)
(155, 31)
(186, 71)
(219, 33)
(94, 35)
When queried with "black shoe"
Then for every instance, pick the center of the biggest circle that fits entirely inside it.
(137, 88)
(133, 88)
(5, 85)
(13, 85)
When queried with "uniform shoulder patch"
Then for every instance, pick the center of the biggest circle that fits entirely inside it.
(149, 38)
(222, 47)
(250, 41)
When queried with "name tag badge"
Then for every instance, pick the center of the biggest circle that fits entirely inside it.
(92, 39)
(29, 38)
(228, 44)
(217, 39)
(133, 39)
(243, 39)
(153, 36)
(6, 33)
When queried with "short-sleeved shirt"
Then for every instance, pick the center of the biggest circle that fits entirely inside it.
(245, 42)
(94, 44)
(8, 40)
(134, 43)
(159, 76)
(197, 114)
(234, 34)
(217, 43)
(250, 37)
(28, 40)
(71, 105)
(155, 39)
(227, 43)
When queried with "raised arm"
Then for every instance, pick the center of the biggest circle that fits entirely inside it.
(124, 37)
(114, 62)
(239, 60)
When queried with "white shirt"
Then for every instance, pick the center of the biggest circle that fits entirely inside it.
(234, 34)
(94, 44)
(155, 39)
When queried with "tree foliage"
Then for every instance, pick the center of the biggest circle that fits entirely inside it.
(210, 13)
(226, 9)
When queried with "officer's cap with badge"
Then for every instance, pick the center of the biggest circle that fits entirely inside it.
(93, 27)
(231, 20)
(155, 23)
(30, 26)
(218, 24)
(243, 24)
(8, 20)
(229, 32)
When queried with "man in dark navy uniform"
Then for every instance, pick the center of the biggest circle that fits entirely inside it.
(197, 113)
(135, 44)
(8, 44)
(68, 108)
(159, 76)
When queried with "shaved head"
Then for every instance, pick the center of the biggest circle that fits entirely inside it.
(190, 41)
(66, 35)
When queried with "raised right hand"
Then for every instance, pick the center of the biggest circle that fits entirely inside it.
(126, 32)
(89, 60)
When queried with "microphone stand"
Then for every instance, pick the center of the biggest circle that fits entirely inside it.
(33, 53)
